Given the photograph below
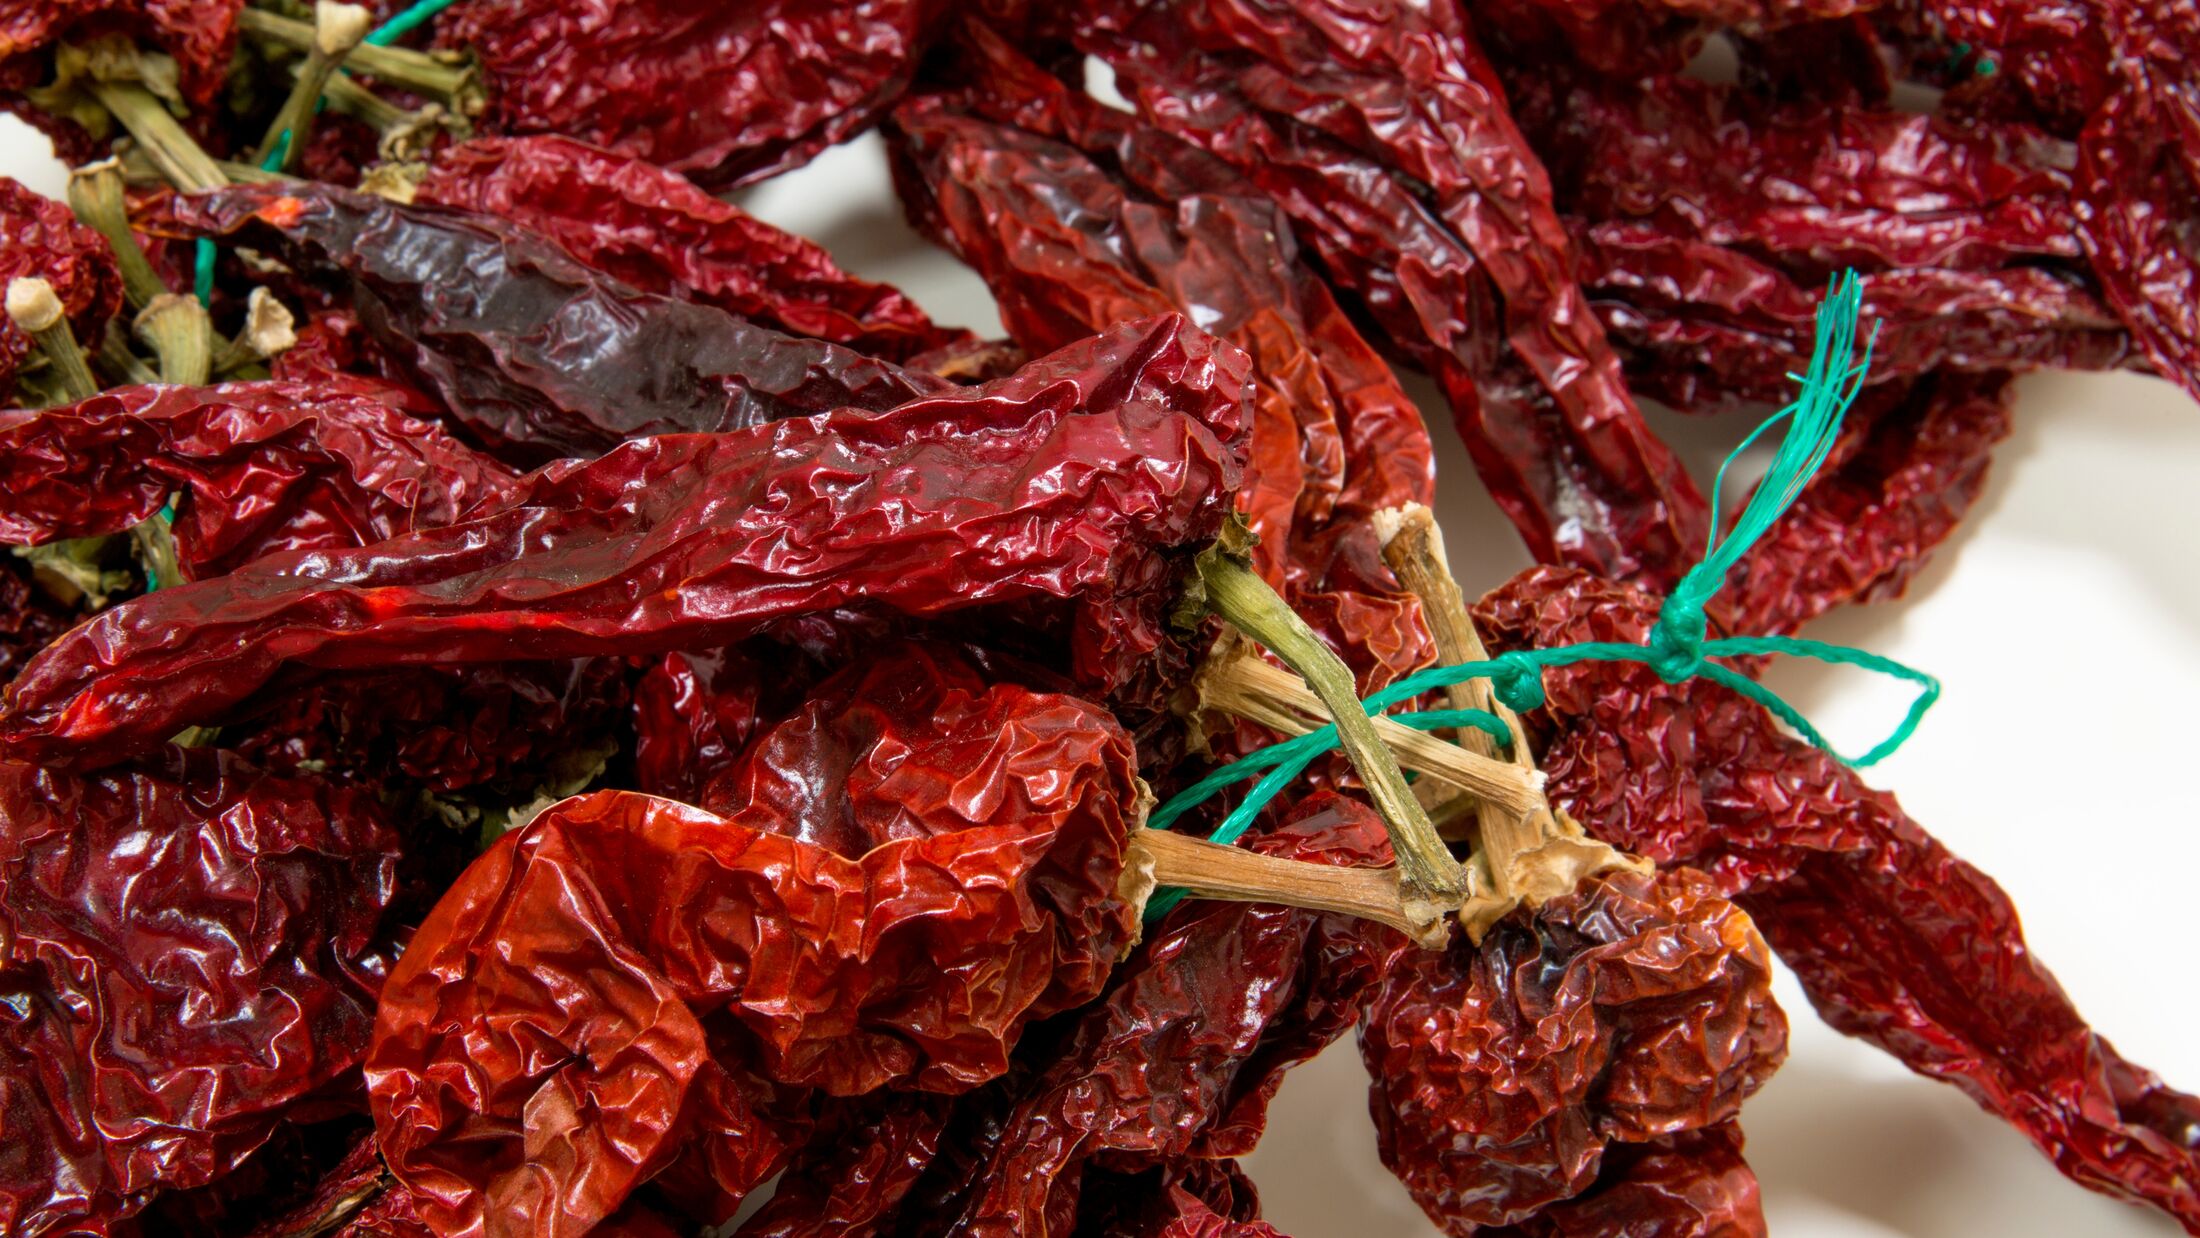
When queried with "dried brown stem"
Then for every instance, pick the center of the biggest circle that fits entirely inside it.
(1434, 884)
(95, 194)
(1525, 856)
(1275, 698)
(1210, 870)
(35, 310)
(268, 331)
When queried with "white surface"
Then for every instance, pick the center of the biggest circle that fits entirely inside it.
(2078, 563)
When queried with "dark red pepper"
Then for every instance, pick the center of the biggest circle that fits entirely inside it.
(40, 238)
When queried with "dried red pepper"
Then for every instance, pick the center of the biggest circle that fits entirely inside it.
(263, 467)
(1075, 479)
(1397, 159)
(1637, 1008)
(1895, 939)
(913, 958)
(726, 95)
(192, 948)
(29, 618)
(1179, 1058)
(1690, 1185)
(852, 1178)
(41, 239)
(534, 354)
(653, 229)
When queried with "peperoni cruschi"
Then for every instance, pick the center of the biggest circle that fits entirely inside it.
(532, 353)
(607, 971)
(1077, 486)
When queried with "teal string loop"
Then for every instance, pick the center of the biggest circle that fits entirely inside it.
(1677, 648)
(404, 23)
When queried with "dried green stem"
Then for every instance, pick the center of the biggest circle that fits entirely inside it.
(155, 543)
(116, 359)
(139, 169)
(36, 311)
(337, 30)
(180, 334)
(95, 194)
(1433, 883)
(180, 159)
(456, 85)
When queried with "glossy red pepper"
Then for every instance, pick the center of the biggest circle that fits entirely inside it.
(192, 949)
(1074, 487)
(652, 228)
(261, 467)
(650, 79)
(888, 929)
(1895, 939)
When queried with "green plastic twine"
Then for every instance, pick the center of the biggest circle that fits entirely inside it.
(1676, 649)
(397, 27)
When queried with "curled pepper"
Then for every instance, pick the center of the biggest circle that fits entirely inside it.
(190, 948)
(686, 946)
(1074, 481)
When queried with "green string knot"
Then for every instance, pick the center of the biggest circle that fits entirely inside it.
(1517, 681)
(1676, 643)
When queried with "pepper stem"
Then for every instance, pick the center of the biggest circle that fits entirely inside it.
(36, 311)
(1526, 856)
(337, 29)
(1236, 682)
(181, 336)
(1211, 870)
(1433, 883)
(95, 194)
(180, 159)
(457, 86)
(155, 543)
(268, 331)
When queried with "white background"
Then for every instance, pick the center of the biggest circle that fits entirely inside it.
(2064, 618)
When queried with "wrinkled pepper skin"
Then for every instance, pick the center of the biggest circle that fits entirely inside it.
(40, 238)
(1896, 940)
(533, 354)
(263, 467)
(29, 619)
(1178, 1060)
(652, 228)
(1637, 1008)
(1690, 1185)
(725, 94)
(914, 962)
(1067, 250)
(1380, 128)
(191, 949)
(1077, 483)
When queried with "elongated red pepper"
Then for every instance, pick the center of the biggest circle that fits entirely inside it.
(653, 229)
(263, 467)
(1895, 939)
(913, 957)
(1070, 485)
(534, 354)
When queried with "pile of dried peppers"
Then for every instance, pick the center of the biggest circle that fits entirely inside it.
(538, 704)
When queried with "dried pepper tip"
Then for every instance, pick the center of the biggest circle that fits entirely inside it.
(95, 194)
(181, 336)
(36, 310)
(1434, 884)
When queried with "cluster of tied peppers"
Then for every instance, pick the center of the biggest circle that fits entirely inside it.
(566, 705)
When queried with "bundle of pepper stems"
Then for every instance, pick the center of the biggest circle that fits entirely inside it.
(539, 705)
